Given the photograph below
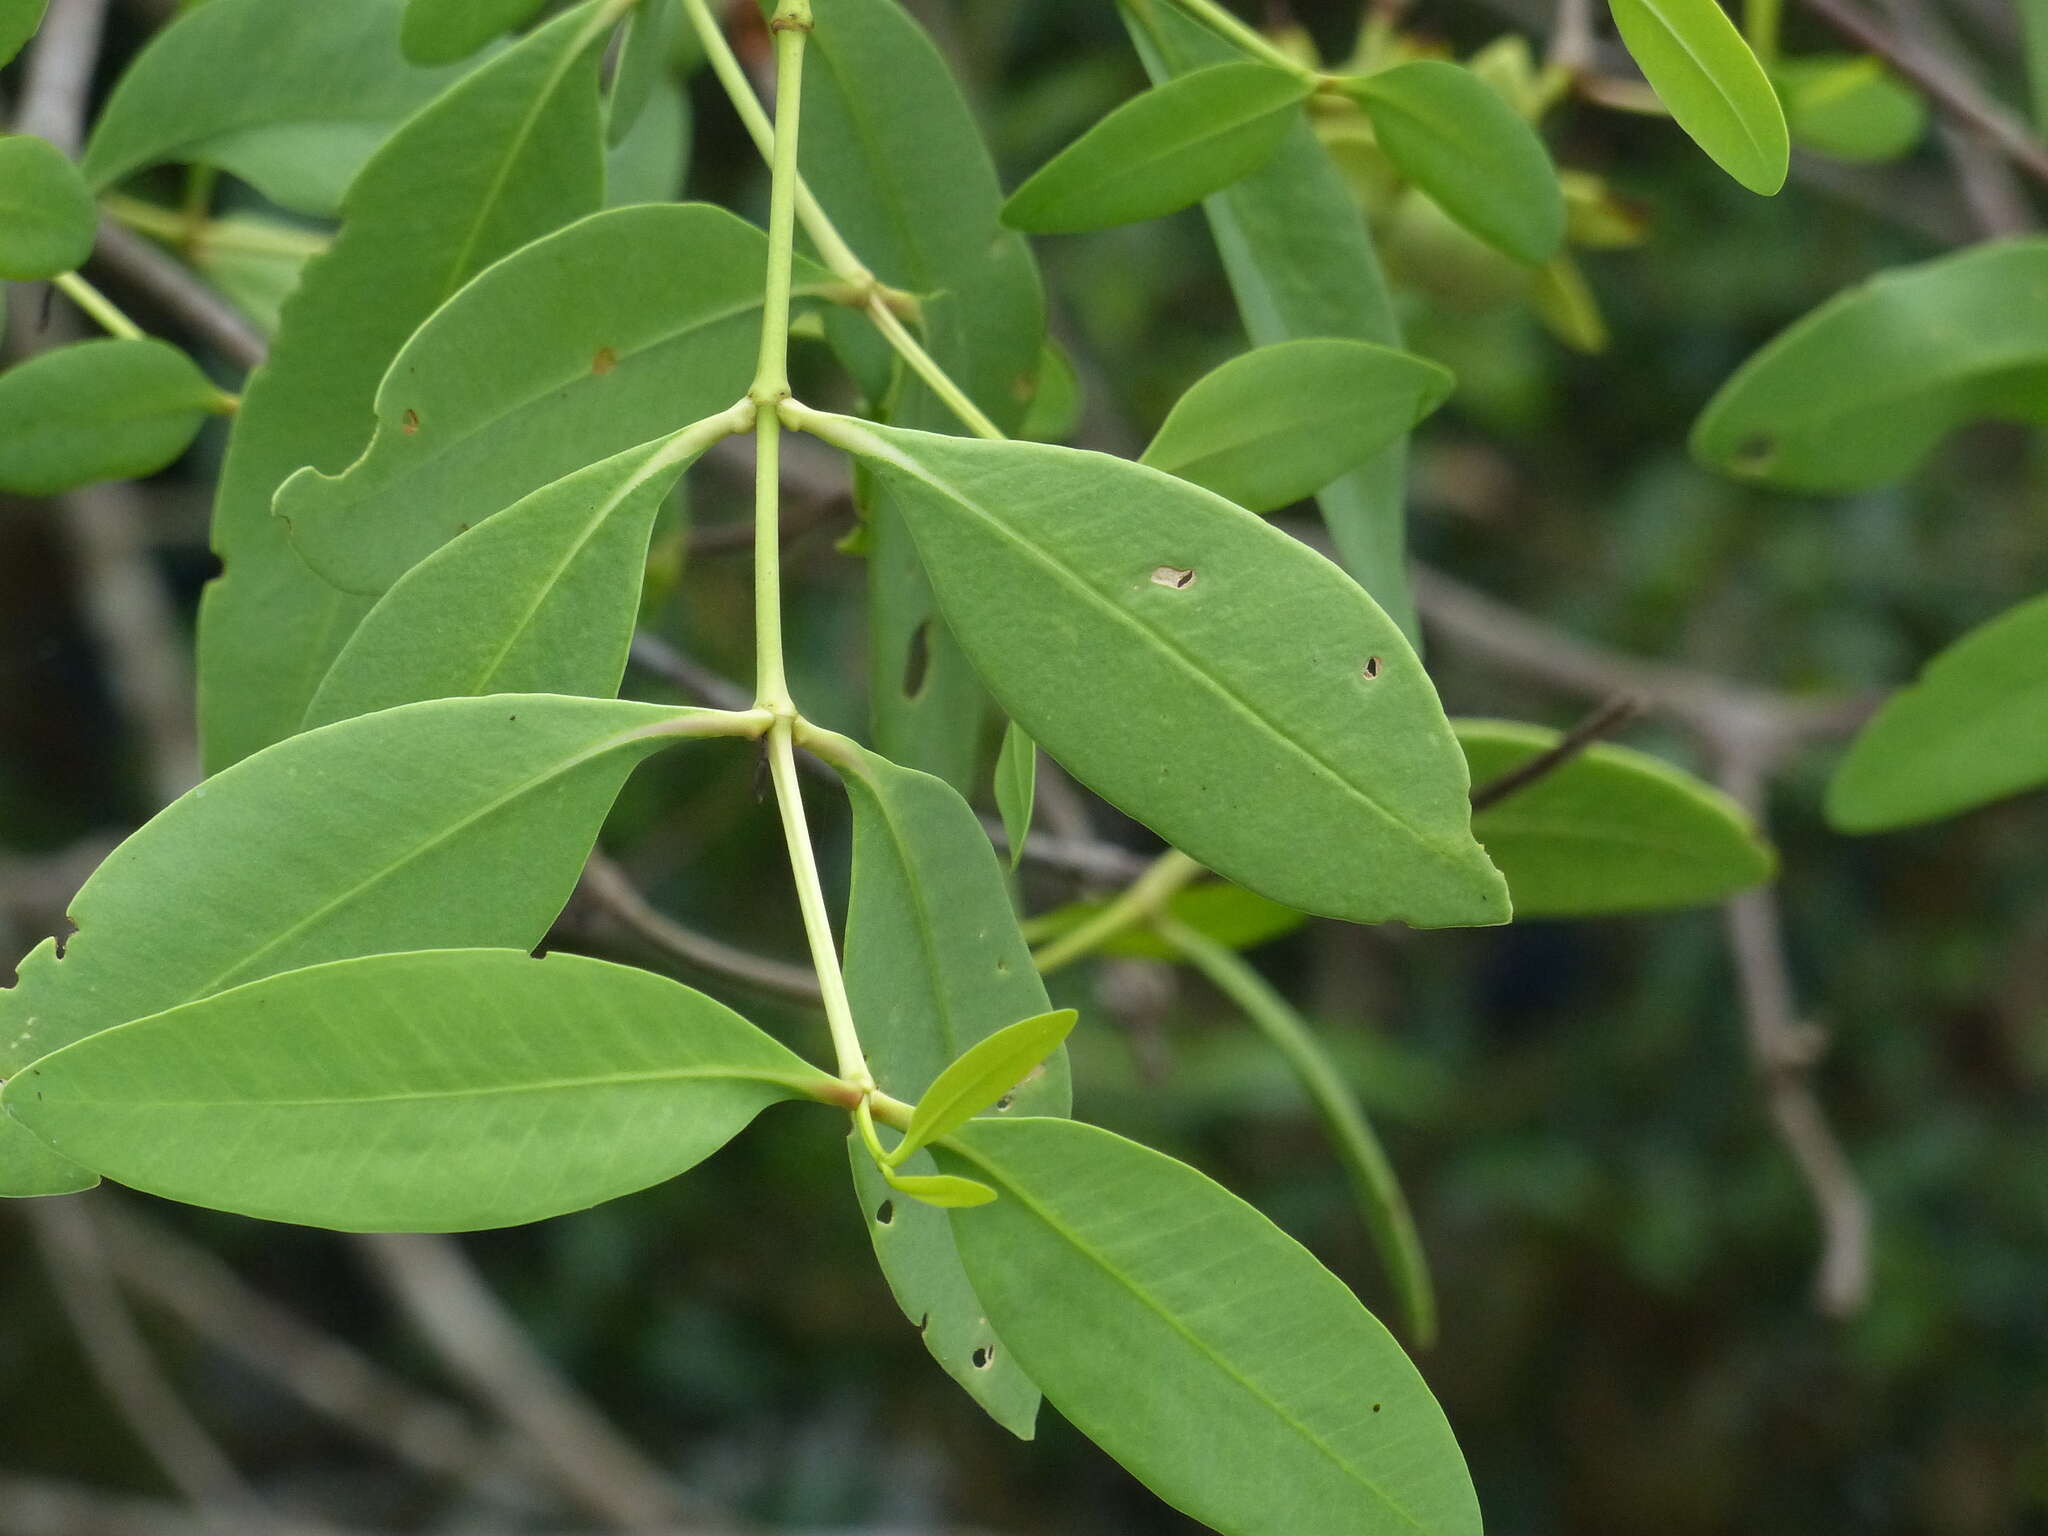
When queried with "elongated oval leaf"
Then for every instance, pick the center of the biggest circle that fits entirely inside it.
(449, 823)
(443, 31)
(1198, 1344)
(18, 22)
(941, 1191)
(98, 410)
(441, 1091)
(1858, 392)
(1016, 788)
(934, 964)
(1280, 423)
(47, 215)
(1609, 831)
(508, 154)
(624, 326)
(290, 97)
(1163, 150)
(1973, 729)
(1703, 71)
(1238, 693)
(991, 1069)
(1849, 106)
(1300, 262)
(1455, 137)
(539, 599)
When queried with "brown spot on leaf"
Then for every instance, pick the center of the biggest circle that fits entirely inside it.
(1173, 576)
(410, 422)
(603, 361)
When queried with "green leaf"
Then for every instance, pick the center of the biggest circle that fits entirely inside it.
(1314, 766)
(1381, 1203)
(1198, 1344)
(47, 217)
(18, 22)
(1279, 423)
(941, 1191)
(444, 31)
(1609, 831)
(1703, 71)
(1224, 914)
(1858, 392)
(644, 56)
(622, 327)
(935, 964)
(914, 1246)
(992, 1067)
(98, 410)
(649, 163)
(1294, 245)
(1849, 106)
(445, 824)
(1161, 151)
(509, 153)
(442, 1091)
(1973, 729)
(906, 178)
(291, 97)
(254, 262)
(1016, 788)
(539, 599)
(1451, 134)
(29, 1168)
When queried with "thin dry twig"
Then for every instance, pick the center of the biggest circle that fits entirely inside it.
(1604, 721)
(496, 1362)
(607, 887)
(147, 268)
(67, 1241)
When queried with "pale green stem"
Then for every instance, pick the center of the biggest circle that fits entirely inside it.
(926, 367)
(1384, 1207)
(1220, 21)
(792, 25)
(810, 896)
(832, 248)
(105, 313)
(1142, 901)
(245, 236)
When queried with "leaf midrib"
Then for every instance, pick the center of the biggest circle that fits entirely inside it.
(788, 1081)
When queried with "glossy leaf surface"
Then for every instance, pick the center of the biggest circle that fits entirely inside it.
(47, 215)
(934, 964)
(1611, 830)
(1858, 392)
(1300, 262)
(510, 153)
(1279, 423)
(1455, 137)
(1314, 766)
(1849, 106)
(992, 1067)
(98, 410)
(1973, 729)
(1163, 150)
(539, 599)
(450, 823)
(443, 31)
(624, 326)
(1703, 71)
(1016, 788)
(292, 98)
(1246, 1386)
(441, 1091)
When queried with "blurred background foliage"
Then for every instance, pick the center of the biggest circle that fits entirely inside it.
(1624, 1254)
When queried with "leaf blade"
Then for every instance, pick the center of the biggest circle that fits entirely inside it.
(1266, 783)
(442, 1090)
(1161, 151)
(110, 409)
(1243, 1385)
(1703, 71)
(47, 216)
(1016, 788)
(991, 1068)
(1280, 423)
